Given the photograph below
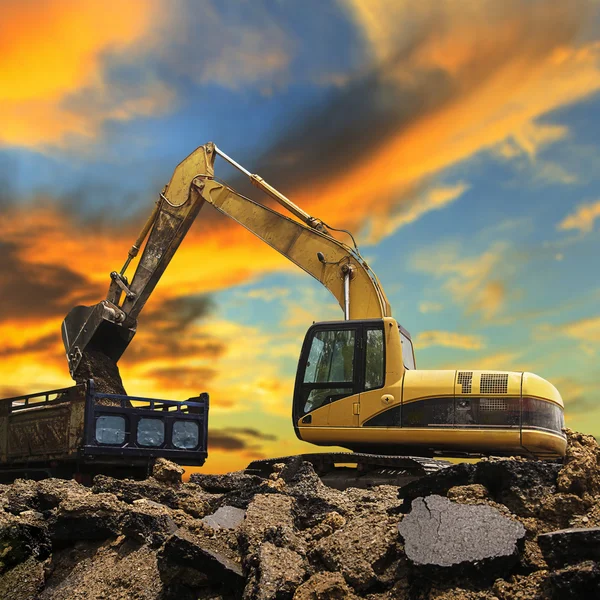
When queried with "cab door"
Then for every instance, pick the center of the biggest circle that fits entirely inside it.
(328, 379)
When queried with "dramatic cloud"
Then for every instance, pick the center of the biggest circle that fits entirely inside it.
(447, 83)
(31, 291)
(50, 49)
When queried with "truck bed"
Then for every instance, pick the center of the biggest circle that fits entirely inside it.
(80, 431)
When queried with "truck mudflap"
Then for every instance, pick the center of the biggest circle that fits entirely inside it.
(342, 470)
(128, 428)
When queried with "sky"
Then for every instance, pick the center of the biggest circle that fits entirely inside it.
(457, 139)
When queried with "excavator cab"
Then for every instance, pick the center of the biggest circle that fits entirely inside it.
(343, 362)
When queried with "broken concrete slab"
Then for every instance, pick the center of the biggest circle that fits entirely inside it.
(437, 483)
(519, 484)
(149, 523)
(576, 582)
(441, 536)
(274, 573)
(96, 517)
(225, 517)
(361, 551)
(189, 561)
(270, 518)
(570, 546)
(188, 497)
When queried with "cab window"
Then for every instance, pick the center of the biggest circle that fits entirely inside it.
(407, 352)
(374, 360)
(329, 373)
(331, 357)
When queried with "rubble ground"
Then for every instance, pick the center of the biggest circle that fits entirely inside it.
(291, 537)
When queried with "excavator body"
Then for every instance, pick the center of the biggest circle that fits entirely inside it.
(357, 385)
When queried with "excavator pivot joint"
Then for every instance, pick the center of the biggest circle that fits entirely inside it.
(121, 281)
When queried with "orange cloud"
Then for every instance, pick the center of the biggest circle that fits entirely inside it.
(449, 339)
(478, 78)
(471, 281)
(49, 50)
(582, 219)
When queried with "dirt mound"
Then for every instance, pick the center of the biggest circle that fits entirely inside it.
(289, 536)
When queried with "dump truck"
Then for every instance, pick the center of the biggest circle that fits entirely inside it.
(78, 432)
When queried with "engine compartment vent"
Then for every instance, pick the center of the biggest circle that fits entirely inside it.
(494, 383)
(465, 378)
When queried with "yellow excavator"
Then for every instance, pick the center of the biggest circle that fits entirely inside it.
(357, 385)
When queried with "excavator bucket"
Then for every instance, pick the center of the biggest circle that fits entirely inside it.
(95, 328)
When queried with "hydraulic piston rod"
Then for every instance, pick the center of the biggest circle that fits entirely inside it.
(261, 184)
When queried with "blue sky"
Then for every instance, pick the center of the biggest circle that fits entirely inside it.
(459, 142)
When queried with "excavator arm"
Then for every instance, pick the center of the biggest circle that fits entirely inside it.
(110, 325)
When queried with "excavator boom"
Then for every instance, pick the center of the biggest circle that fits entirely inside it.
(109, 326)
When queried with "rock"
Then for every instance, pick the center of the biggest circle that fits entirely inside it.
(114, 570)
(226, 517)
(324, 586)
(531, 587)
(128, 490)
(560, 509)
(189, 498)
(331, 522)
(577, 582)
(51, 492)
(441, 536)
(96, 517)
(20, 540)
(148, 523)
(189, 561)
(361, 551)
(227, 482)
(166, 471)
(313, 499)
(570, 546)
(469, 494)
(275, 573)
(518, 484)
(22, 496)
(437, 483)
(269, 518)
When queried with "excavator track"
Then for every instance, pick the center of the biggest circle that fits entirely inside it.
(341, 470)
